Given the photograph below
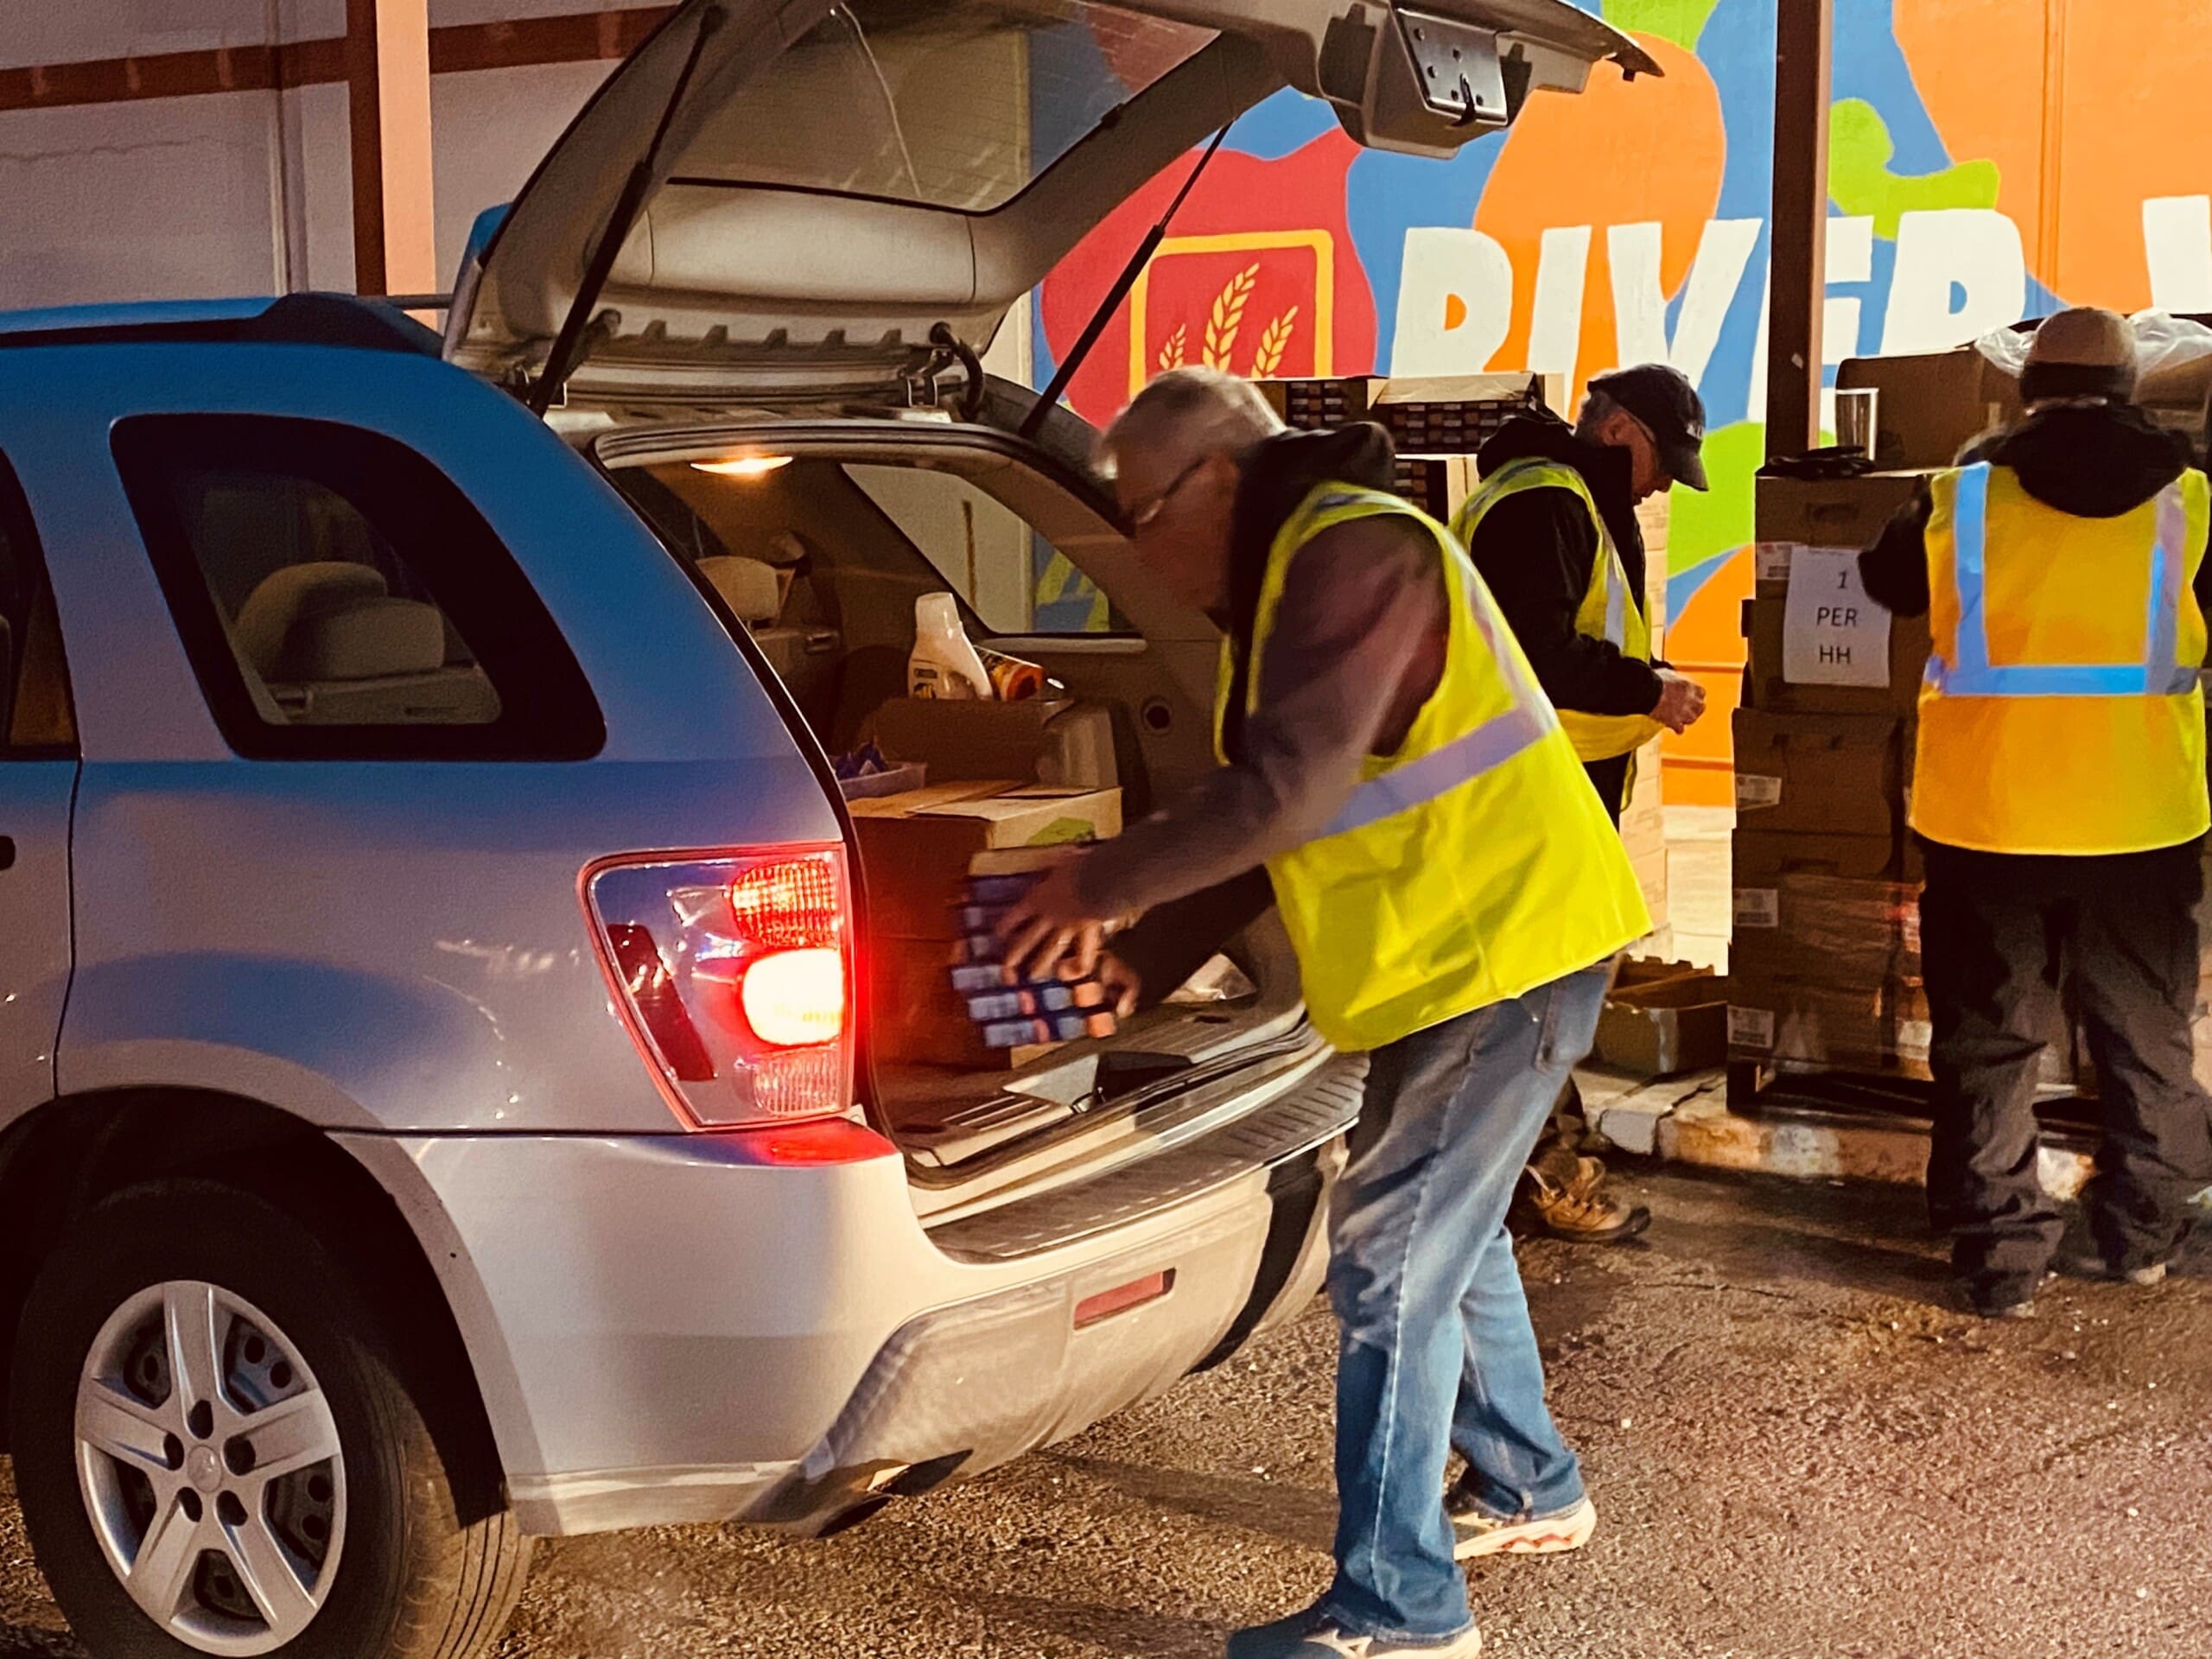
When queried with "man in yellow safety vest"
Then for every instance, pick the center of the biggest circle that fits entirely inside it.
(1553, 531)
(2060, 799)
(1455, 896)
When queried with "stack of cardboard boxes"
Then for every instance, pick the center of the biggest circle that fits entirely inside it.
(1436, 423)
(982, 760)
(1824, 959)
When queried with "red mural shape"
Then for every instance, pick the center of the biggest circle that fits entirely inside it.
(1258, 276)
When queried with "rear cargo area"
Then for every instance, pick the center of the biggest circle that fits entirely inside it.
(822, 558)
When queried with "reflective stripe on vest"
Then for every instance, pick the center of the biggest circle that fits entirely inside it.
(1464, 759)
(2159, 674)
(1488, 747)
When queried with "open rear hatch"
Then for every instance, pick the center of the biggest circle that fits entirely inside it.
(779, 205)
(780, 192)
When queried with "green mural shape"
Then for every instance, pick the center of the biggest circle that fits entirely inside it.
(1680, 21)
(1861, 183)
(1701, 526)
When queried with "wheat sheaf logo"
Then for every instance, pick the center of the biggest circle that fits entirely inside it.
(1214, 337)
(1224, 322)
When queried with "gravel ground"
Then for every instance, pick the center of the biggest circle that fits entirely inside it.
(1799, 1451)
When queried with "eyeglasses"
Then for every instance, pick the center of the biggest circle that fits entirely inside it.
(1143, 518)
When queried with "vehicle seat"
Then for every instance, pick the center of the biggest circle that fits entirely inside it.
(748, 586)
(285, 597)
(805, 658)
(377, 661)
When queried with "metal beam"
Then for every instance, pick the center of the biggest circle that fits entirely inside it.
(1804, 43)
(388, 75)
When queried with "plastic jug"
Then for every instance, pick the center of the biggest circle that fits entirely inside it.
(943, 664)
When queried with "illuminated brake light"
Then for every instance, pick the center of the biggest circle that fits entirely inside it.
(789, 906)
(733, 974)
(796, 999)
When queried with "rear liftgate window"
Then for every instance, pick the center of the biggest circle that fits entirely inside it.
(957, 103)
(340, 598)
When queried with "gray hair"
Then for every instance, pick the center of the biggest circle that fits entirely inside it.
(1597, 408)
(1190, 412)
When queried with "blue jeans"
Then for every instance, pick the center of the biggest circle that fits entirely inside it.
(1435, 1348)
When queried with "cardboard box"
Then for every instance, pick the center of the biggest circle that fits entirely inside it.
(1761, 855)
(913, 1017)
(1431, 414)
(1819, 774)
(1438, 485)
(1823, 1028)
(966, 742)
(1655, 518)
(1766, 688)
(1823, 512)
(1845, 935)
(1663, 1027)
(1932, 404)
(915, 847)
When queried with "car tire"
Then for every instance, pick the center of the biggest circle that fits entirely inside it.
(420, 1556)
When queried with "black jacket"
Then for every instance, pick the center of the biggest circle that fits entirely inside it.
(2091, 460)
(1536, 549)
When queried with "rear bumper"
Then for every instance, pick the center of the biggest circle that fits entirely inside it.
(665, 1336)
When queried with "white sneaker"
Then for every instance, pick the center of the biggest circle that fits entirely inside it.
(1476, 1531)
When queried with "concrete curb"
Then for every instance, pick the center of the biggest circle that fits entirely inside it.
(1687, 1121)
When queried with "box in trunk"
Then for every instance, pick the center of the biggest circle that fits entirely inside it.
(1069, 744)
(915, 847)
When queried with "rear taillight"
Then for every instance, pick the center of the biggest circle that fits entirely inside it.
(733, 974)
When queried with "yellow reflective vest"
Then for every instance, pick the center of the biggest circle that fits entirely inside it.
(2061, 712)
(1609, 611)
(1473, 864)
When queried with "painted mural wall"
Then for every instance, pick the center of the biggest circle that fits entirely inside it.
(1991, 159)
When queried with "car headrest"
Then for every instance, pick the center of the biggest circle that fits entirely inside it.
(786, 547)
(372, 640)
(271, 613)
(748, 586)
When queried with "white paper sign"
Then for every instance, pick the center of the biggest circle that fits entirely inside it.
(1913, 1037)
(1759, 907)
(1750, 1027)
(1756, 789)
(1832, 634)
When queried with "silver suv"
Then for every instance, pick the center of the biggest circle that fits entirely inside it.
(437, 1098)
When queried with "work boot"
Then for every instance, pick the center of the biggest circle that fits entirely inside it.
(1314, 1635)
(1581, 1211)
(1476, 1531)
(2007, 1298)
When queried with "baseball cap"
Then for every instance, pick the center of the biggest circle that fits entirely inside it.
(1668, 404)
